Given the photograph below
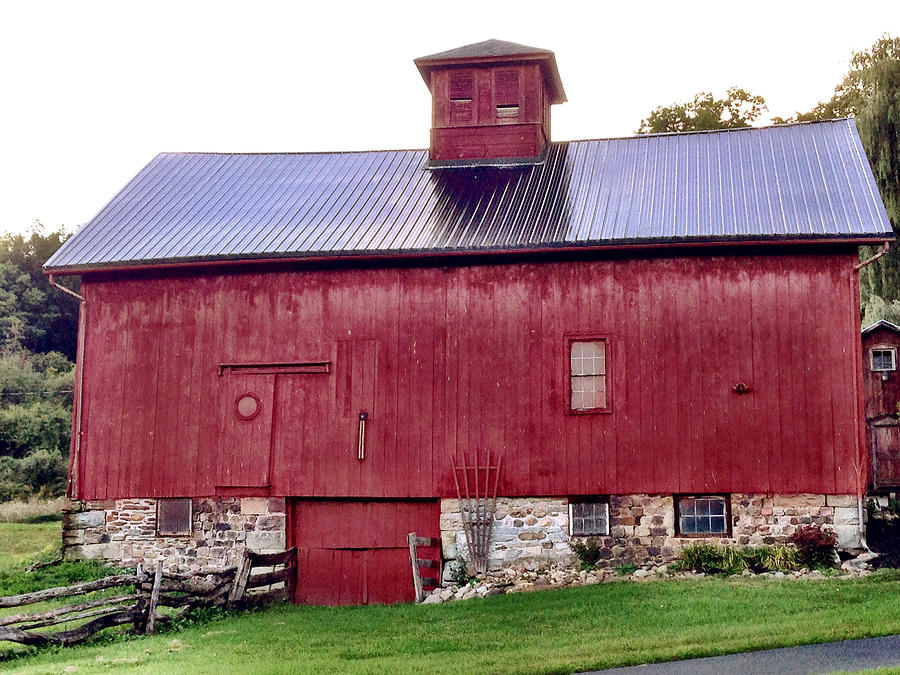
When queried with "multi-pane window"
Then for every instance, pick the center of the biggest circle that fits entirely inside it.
(702, 515)
(884, 359)
(587, 375)
(588, 518)
(173, 516)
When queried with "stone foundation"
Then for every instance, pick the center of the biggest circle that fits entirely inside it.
(123, 531)
(533, 532)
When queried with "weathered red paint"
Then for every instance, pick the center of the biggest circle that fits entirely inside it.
(882, 395)
(355, 552)
(464, 357)
(485, 134)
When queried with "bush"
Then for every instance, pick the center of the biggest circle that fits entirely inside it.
(712, 559)
(815, 547)
(588, 552)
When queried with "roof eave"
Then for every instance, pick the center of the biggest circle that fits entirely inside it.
(424, 254)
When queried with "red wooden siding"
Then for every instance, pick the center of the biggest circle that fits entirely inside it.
(465, 119)
(881, 395)
(458, 358)
(356, 553)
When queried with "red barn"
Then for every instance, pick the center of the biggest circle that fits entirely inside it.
(646, 340)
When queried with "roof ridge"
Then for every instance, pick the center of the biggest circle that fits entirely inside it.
(552, 143)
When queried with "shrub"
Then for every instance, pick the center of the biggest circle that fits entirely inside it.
(766, 558)
(702, 558)
(588, 552)
(815, 547)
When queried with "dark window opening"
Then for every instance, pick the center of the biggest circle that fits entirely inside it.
(884, 359)
(173, 517)
(702, 515)
(461, 88)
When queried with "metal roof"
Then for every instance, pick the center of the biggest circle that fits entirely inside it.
(807, 181)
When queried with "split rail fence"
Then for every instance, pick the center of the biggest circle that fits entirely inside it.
(248, 584)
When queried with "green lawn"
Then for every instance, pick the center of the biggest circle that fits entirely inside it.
(553, 631)
(20, 542)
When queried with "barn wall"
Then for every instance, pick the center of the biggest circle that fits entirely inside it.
(458, 358)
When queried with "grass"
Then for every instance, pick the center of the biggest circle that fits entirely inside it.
(21, 542)
(601, 626)
(34, 510)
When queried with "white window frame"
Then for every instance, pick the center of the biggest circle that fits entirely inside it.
(598, 502)
(891, 350)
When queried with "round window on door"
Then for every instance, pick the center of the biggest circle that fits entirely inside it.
(247, 406)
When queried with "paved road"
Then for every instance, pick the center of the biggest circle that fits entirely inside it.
(850, 655)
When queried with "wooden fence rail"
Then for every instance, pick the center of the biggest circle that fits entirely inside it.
(257, 579)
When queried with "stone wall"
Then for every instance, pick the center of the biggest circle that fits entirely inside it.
(533, 532)
(123, 531)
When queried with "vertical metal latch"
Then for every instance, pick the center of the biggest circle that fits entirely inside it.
(363, 416)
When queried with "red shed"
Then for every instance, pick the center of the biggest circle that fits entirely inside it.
(645, 340)
(882, 397)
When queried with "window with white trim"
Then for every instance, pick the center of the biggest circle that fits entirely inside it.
(587, 376)
(884, 359)
(588, 518)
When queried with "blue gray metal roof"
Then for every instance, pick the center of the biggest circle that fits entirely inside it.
(808, 181)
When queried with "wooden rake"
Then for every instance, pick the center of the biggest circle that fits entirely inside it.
(476, 488)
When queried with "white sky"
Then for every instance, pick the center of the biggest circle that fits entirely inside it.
(91, 91)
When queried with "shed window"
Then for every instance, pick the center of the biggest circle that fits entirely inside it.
(588, 518)
(884, 359)
(702, 515)
(173, 517)
(587, 376)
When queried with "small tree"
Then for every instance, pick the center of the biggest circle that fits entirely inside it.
(739, 108)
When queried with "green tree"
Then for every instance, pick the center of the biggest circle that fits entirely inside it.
(739, 108)
(870, 92)
(33, 313)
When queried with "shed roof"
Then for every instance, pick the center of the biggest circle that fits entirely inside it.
(882, 323)
(784, 183)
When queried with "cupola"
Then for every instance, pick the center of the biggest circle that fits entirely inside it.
(490, 103)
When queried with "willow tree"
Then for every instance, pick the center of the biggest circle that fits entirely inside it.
(870, 92)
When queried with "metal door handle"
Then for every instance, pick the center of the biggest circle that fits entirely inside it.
(361, 447)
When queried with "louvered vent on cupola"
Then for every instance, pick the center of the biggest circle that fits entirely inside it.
(490, 103)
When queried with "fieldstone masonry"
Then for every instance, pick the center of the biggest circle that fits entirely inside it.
(533, 532)
(123, 531)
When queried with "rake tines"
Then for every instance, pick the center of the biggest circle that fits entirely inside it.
(476, 488)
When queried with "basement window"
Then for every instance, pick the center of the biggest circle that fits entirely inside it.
(173, 517)
(588, 376)
(703, 515)
(884, 359)
(588, 518)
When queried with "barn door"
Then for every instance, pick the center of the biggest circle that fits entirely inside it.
(356, 552)
(886, 451)
(245, 430)
(321, 446)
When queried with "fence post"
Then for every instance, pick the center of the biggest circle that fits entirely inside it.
(241, 575)
(414, 562)
(154, 598)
